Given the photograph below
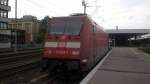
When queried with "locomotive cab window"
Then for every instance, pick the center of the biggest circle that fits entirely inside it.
(73, 29)
(65, 28)
(57, 29)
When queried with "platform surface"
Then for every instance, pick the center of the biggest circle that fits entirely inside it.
(124, 65)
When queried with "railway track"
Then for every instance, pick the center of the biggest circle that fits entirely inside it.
(19, 49)
(10, 57)
(12, 69)
(8, 54)
(5, 50)
(13, 62)
(72, 78)
(29, 60)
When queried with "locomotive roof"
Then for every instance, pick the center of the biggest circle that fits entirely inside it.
(77, 16)
(69, 17)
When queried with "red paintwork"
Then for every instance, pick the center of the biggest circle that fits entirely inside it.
(93, 45)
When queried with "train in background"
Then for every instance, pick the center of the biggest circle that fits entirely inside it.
(74, 42)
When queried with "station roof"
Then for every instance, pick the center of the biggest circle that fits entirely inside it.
(128, 31)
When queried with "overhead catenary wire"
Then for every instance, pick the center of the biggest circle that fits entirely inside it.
(28, 5)
(60, 9)
(95, 11)
(95, 14)
(86, 4)
(97, 8)
(43, 7)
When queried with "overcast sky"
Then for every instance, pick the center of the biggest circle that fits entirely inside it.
(127, 14)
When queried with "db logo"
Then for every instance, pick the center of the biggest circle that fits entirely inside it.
(61, 44)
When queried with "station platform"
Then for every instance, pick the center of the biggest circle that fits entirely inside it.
(122, 65)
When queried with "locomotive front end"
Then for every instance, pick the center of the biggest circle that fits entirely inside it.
(63, 42)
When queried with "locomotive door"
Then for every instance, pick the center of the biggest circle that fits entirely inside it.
(94, 44)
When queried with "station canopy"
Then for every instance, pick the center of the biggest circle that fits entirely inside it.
(128, 31)
(122, 36)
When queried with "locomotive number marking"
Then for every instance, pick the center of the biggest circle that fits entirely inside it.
(60, 52)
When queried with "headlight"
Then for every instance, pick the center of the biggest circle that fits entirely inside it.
(84, 61)
(75, 52)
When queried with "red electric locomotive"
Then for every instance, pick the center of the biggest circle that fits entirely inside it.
(75, 42)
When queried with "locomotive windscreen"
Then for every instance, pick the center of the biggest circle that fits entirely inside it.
(65, 28)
